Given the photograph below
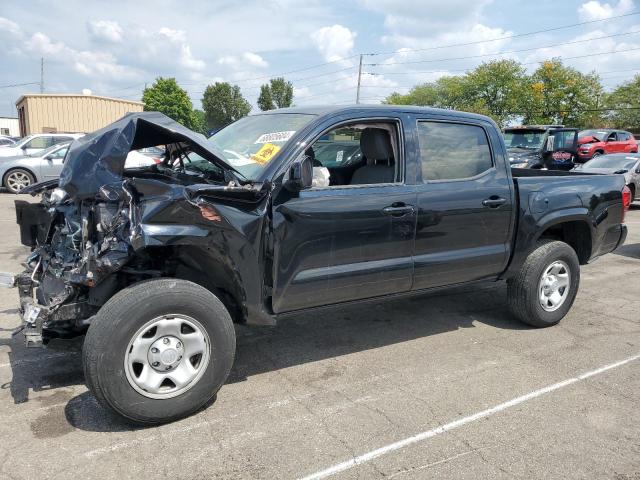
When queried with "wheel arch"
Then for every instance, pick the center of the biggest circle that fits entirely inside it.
(575, 232)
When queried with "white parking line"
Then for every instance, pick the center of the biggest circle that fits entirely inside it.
(367, 457)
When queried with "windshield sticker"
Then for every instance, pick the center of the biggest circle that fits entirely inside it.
(275, 137)
(266, 153)
(339, 156)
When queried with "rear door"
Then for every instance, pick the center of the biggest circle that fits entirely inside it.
(465, 203)
(344, 242)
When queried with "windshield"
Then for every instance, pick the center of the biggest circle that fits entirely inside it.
(599, 134)
(249, 144)
(20, 143)
(612, 161)
(532, 139)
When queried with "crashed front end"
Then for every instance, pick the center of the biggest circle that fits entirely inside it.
(75, 248)
(93, 232)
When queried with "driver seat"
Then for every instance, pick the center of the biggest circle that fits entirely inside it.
(375, 145)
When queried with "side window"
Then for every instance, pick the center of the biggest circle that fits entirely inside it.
(60, 153)
(356, 154)
(57, 140)
(451, 151)
(623, 136)
(612, 137)
(564, 140)
(39, 142)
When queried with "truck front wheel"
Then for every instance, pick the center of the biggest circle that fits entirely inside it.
(159, 351)
(544, 289)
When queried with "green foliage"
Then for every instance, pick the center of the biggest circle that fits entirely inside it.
(504, 91)
(198, 122)
(626, 98)
(166, 96)
(559, 94)
(265, 100)
(278, 93)
(223, 103)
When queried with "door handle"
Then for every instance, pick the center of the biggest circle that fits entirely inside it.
(398, 210)
(494, 201)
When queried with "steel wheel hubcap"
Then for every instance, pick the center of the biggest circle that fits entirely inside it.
(167, 356)
(554, 286)
(18, 180)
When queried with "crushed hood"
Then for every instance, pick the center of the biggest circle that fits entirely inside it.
(98, 158)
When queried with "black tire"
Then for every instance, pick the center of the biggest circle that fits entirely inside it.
(26, 175)
(524, 288)
(633, 192)
(118, 321)
(597, 153)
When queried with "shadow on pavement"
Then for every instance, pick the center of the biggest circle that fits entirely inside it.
(298, 339)
(631, 250)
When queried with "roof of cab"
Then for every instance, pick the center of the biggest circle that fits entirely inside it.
(337, 109)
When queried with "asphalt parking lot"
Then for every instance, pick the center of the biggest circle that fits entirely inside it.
(446, 385)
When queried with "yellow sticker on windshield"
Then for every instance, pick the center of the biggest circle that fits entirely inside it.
(266, 153)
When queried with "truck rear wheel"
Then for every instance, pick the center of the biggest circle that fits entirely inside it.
(159, 351)
(544, 289)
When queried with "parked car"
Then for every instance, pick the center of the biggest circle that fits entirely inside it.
(36, 143)
(553, 147)
(6, 141)
(153, 265)
(592, 143)
(19, 172)
(627, 164)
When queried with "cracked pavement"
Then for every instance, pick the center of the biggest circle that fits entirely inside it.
(324, 387)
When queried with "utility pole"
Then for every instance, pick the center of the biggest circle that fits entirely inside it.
(41, 74)
(359, 77)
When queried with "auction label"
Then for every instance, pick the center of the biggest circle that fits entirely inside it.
(275, 137)
(266, 153)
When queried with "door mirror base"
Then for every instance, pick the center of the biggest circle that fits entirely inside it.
(300, 175)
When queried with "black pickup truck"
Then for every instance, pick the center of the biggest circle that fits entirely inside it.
(155, 264)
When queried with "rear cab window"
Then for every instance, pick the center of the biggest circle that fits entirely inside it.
(452, 151)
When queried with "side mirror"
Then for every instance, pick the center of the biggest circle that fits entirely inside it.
(300, 175)
(23, 147)
(638, 170)
(49, 157)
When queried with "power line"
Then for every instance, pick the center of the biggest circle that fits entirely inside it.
(506, 36)
(19, 84)
(503, 53)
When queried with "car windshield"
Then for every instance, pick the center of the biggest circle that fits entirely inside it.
(616, 162)
(532, 139)
(249, 144)
(598, 134)
(21, 142)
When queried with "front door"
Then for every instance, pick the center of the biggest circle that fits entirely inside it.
(348, 240)
(52, 164)
(464, 205)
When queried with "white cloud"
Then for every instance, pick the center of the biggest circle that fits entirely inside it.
(7, 25)
(246, 59)
(177, 36)
(334, 42)
(188, 61)
(595, 10)
(105, 30)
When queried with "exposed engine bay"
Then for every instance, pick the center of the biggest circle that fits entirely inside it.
(89, 241)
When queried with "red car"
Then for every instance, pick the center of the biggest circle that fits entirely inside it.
(592, 143)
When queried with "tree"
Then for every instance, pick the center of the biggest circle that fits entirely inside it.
(198, 123)
(562, 95)
(265, 100)
(223, 103)
(166, 96)
(626, 100)
(278, 93)
(495, 88)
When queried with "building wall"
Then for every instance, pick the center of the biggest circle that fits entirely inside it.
(10, 124)
(71, 113)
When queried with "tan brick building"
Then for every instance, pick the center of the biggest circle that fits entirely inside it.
(70, 113)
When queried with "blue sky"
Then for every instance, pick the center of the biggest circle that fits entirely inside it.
(113, 48)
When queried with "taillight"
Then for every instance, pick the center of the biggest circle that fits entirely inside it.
(626, 201)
